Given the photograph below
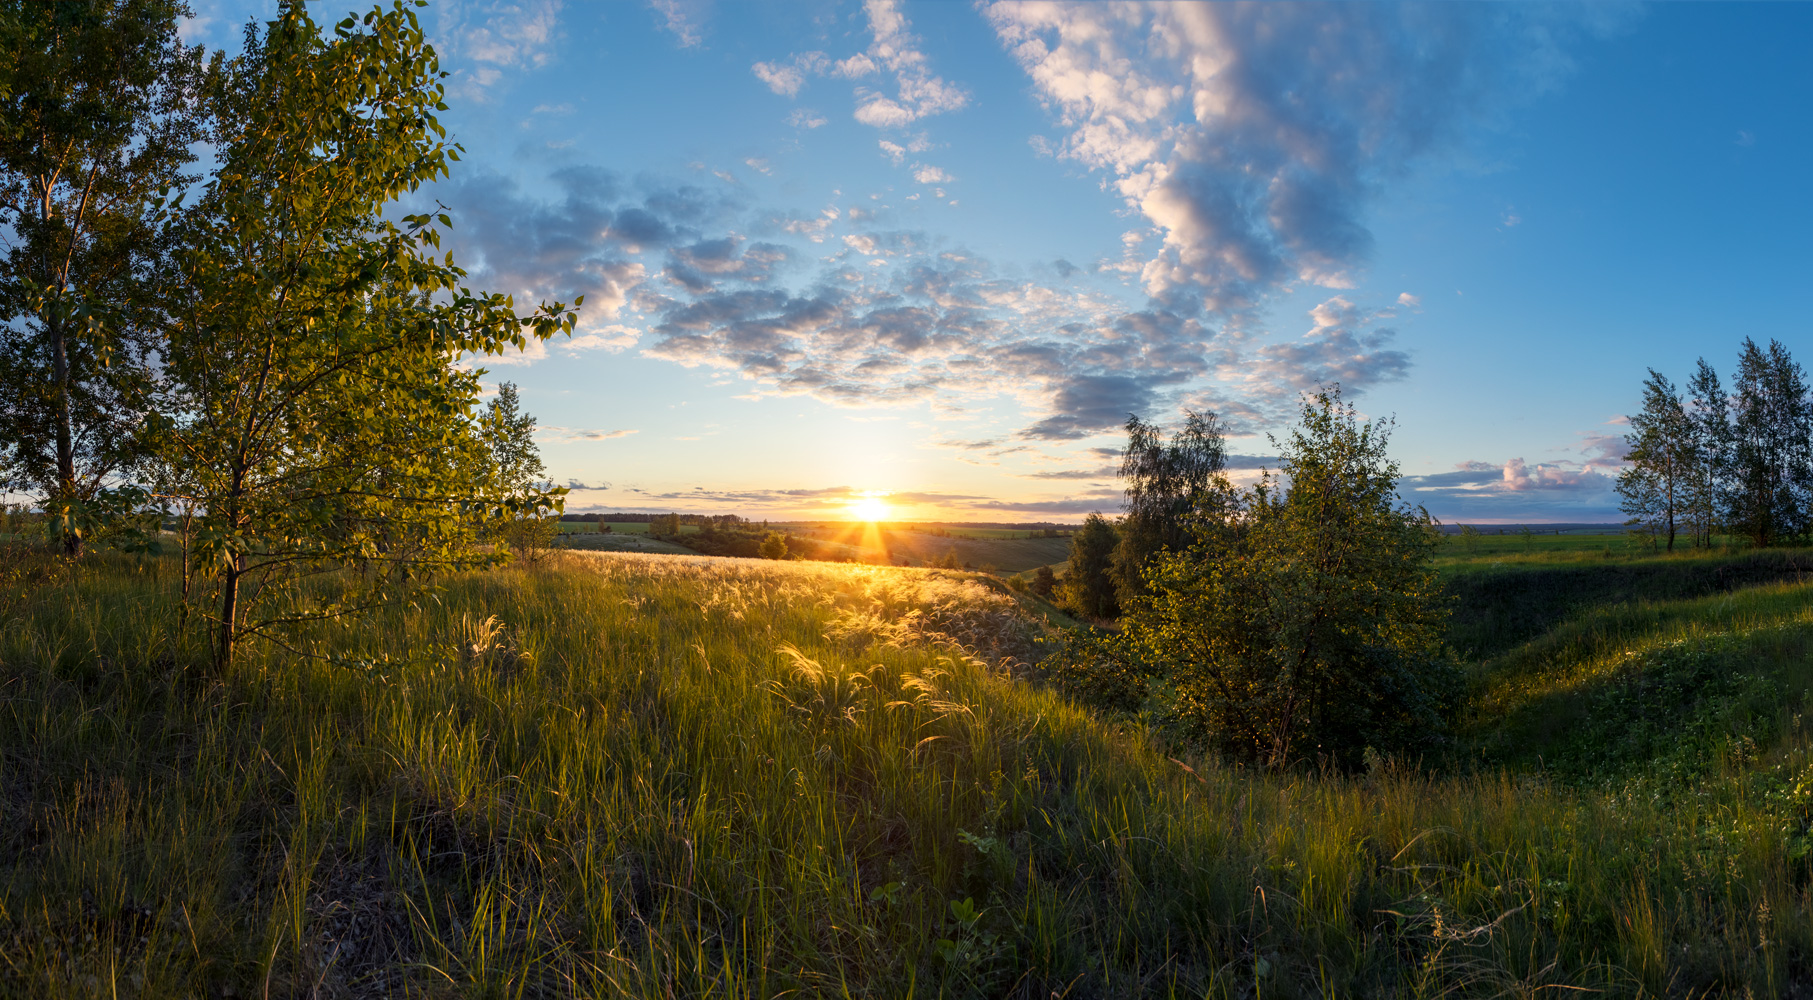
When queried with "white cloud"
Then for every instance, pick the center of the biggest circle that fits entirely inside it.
(927, 174)
(1254, 136)
(609, 337)
(479, 42)
(678, 19)
(783, 80)
(803, 118)
(918, 92)
(1409, 301)
(758, 164)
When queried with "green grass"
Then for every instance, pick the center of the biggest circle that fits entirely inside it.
(617, 527)
(624, 775)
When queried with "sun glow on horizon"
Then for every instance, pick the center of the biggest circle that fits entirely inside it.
(869, 507)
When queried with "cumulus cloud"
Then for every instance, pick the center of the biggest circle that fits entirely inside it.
(1346, 345)
(1576, 487)
(585, 236)
(880, 317)
(785, 80)
(480, 42)
(893, 48)
(1253, 136)
(927, 174)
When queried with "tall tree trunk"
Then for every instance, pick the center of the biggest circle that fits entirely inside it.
(66, 449)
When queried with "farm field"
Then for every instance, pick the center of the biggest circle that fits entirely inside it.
(1005, 553)
(999, 551)
(617, 527)
(648, 775)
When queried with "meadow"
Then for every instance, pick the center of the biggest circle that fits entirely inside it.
(664, 776)
(1002, 550)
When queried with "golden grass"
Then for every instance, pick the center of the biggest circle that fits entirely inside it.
(626, 775)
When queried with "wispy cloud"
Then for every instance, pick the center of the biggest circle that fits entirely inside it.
(580, 434)
(481, 41)
(679, 18)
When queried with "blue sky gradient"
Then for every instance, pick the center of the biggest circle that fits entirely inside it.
(941, 250)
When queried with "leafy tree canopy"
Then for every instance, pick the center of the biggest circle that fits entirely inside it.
(1306, 621)
(99, 108)
(313, 408)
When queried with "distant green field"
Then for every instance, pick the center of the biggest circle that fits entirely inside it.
(617, 527)
(1460, 552)
(930, 529)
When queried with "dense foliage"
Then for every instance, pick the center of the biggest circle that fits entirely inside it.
(1088, 587)
(100, 106)
(1167, 486)
(1741, 462)
(312, 410)
(1306, 622)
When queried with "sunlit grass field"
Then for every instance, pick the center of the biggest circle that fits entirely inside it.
(628, 775)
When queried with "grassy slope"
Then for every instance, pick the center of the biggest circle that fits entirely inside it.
(639, 794)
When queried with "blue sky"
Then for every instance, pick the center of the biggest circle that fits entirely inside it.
(941, 250)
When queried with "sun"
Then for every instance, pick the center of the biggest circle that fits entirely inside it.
(870, 508)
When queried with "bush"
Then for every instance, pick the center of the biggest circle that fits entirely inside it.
(1306, 621)
(774, 546)
(1088, 587)
(530, 536)
(1044, 582)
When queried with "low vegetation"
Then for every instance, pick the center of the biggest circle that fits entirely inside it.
(656, 776)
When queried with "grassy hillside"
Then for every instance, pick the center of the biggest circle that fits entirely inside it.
(627, 775)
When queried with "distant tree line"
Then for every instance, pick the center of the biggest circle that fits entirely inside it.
(721, 521)
(1706, 460)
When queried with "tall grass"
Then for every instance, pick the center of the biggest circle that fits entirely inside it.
(652, 776)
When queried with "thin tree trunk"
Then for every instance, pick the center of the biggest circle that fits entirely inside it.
(229, 612)
(66, 451)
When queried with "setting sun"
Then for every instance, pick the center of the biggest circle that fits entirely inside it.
(869, 509)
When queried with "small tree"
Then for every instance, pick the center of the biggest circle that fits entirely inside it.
(1770, 471)
(1166, 486)
(1088, 587)
(1315, 631)
(1709, 416)
(314, 407)
(518, 474)
(1044, 582)
(774, 546)
(1654, 490)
